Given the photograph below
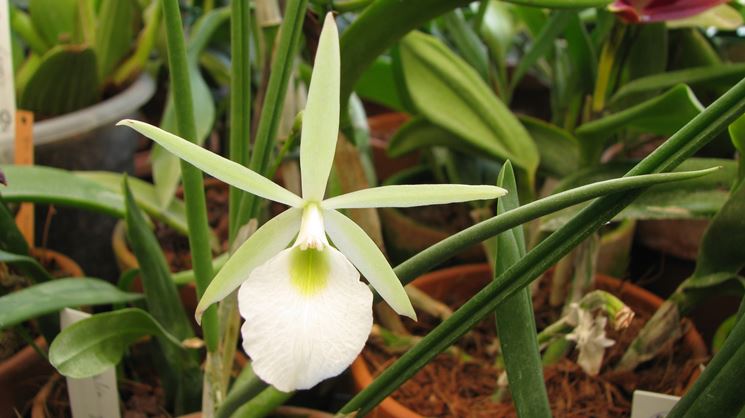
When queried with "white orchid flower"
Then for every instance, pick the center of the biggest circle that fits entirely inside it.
(307, 314)
(589, 335)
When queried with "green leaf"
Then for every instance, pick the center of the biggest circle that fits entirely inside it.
(114, 35)
(166, 170)
(515, 321)
(562, 4)
(54, 19)
(648, 53)
(320, 128)
(559, 150)
(11, 238)
(420, 133)
(28, 265)
(89, 347)
(722, 248)
(542, 44)
(162, 296)
(174, 215)
(91, 191)
(737, 134)
(694, 198)
(718, 391)
(66, 80)
(377, 84)
(720, 75)
(451, 94)
(662, 115)
(471, 48)
(51, 296)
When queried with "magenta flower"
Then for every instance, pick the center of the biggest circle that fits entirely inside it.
(646, 11)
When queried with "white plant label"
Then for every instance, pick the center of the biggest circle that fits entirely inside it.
(94, 397)
(7, 89)
(652, 405)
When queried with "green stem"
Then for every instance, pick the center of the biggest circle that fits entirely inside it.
(680, 146)
(196, 209)
(240, 100)
(271, 112)
(261, 405)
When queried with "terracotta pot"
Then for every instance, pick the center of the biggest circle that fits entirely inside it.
(382, 128)
(22, 374)
(467, 280)
(678, 237)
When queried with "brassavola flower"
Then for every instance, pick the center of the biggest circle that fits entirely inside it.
(307, 314)
(589, 335)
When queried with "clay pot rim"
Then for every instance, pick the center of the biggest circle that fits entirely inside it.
(363, 377)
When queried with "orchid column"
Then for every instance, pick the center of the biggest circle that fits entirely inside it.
(307, 313)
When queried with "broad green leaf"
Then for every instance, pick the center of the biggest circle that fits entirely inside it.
(721, 75)
(450, 94)
(166, 168)
(23, 28)
(145, 195)
(647, 53)
(215, 165)
(89, 347)
(420, 133)
(377, 84)
(400, 196)
(54, 19)
(51, 296)
(59, 187)
(114, 34)
(321, 115)
(266, 242)
(65, 80)
(354, 243)
(699, 197)
(559, 149)
(162, 296)
(662, 115)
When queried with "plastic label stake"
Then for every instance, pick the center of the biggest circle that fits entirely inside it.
(651, 404)
(94, 397)
(7, 89)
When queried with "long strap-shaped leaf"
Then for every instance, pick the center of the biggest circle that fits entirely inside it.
(515, 320)
(679, 147)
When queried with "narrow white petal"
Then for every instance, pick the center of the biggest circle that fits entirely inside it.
(402, 196)
(222, 168)
(321, 115)
(299, 336)
(352, 240)
(267, 241)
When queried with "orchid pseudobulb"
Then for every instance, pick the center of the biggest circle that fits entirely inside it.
(307, 314)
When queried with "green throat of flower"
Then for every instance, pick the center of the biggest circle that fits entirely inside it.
(309, 270)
